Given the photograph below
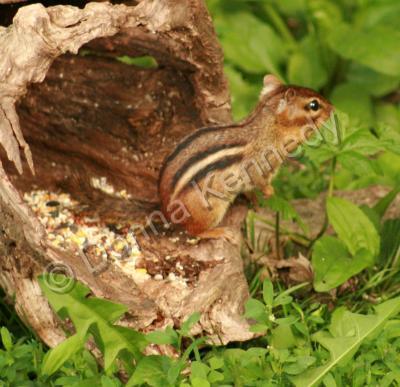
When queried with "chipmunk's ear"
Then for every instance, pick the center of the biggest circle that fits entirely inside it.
(271, 83)
(290, 94)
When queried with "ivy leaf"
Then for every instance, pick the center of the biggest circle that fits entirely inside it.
(96, 316)
(352, 226)
(347, 332)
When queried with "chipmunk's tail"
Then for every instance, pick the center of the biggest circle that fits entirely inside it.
(109, 207)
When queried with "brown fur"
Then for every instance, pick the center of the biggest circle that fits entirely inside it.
(235, 158)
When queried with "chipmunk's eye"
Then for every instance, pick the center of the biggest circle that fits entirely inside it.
(314, 105)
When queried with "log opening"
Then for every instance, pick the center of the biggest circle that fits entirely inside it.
(95, 119)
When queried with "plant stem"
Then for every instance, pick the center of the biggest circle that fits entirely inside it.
(277, 236)
(332, 178)
(330, 193)
(295, 237)
(279, 24)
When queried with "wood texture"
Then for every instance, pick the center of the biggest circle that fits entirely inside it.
(86, 116)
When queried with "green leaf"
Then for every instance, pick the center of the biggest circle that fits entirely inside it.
(95, 316)
(372, 216)
(361, 141)
(215, 377)
(284, 297)
(347, 332)
(383, 204)
(390, 165)
(146, 61)
(107, 382)
(268, 293)
(286, 210)
(188, 324)
(333, 265)
(377, 47)
(305, 67)
(300, 365)
(6, 339)
(352, 226)
(388, 114)
(390, 139)
(286, 321)
(290, 7)
(151, 370)
(327, 14)
(244, 94)
(282, 337)
(199, 370)
(353, 100)
(168, 336)
(390, 239)
(375, 83)
(197, 382)
(250, 44)
(259, 328)
(216, 362)
(329, 381)
(357, 163)
(57, 356)
(256, 310)
(378, 13)
(328, 143)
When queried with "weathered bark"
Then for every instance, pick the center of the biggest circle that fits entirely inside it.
(92, 116)
(11, 1)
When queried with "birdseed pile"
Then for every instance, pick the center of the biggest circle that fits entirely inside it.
(69, 229)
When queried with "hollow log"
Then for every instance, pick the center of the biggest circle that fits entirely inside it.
(71, 112)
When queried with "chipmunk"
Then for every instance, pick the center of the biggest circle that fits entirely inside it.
(207, 170)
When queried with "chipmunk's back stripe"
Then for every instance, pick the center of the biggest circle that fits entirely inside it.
(203, 156)
(209, 157)
(219, 165)
(188, 140)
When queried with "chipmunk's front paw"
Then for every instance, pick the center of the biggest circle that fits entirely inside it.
(268, 191)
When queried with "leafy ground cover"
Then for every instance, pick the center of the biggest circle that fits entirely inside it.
(308, 334)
